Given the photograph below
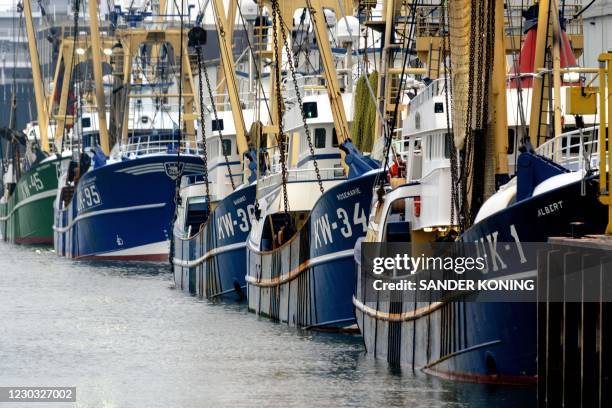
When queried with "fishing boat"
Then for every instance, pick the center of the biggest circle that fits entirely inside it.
(30, 164)
(554, 191)
(217, 205)
(29, 188)
(210, 240)
(120, 204)
(299, 251)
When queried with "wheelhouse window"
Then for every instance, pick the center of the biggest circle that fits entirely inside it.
(511, 141)
(217, 125)
(86, 122)
(226, 145)
(320, 135)
(310, 110)
(438, 107)
(334, 138)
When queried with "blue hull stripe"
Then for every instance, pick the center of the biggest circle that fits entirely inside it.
(319, 157)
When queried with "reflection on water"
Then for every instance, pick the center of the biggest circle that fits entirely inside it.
(124, 337)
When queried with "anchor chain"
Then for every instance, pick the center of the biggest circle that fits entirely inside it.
(202, 128)
(281, 132)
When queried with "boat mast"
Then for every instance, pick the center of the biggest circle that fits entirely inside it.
(398, 38)
(500, 110)
(286, 9)
(97, 71)
(540, 99)
(329, 70)
(556, 62)
(131, 38)
(605, 119)
(230, 24)
(224, 31)
(41, 106)
(66, 56)
(385, 62)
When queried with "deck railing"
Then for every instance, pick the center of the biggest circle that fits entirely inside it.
(144, 145)
(577, 150)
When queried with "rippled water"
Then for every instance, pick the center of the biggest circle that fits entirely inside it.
(125, 338)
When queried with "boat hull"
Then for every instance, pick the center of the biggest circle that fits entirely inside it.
(27, 217)
(309, 281)
(470, 340)
(212, 263)
(122, 211)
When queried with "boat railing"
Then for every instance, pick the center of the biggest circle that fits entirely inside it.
(308, 174)
(435, 88)
(576, 150)
(223, 103)
(149, 145)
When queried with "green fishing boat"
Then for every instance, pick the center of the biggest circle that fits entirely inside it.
(28, 192)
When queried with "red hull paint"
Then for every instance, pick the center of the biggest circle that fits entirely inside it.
(34, 241)
(483, 379)
(132, 258)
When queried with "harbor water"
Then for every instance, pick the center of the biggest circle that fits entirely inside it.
(124, 337)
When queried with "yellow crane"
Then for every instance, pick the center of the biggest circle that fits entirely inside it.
(39, 93)
(97, 71)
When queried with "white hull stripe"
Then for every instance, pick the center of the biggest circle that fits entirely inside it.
(156, 248)
(137, 169)
(31, 199)
(140, 172)
(154, 168)
(109, 211)
(292, 274)
(212, 252)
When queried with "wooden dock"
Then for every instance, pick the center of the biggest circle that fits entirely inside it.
(575, 323)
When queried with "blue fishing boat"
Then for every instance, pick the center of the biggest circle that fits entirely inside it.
(123, 210)
(554, 191)
(300, 249)
(217, 205)
(308, 281)
(120, 205)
